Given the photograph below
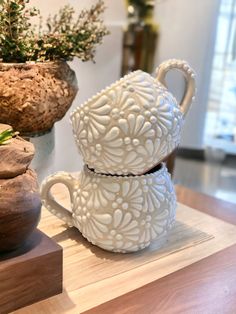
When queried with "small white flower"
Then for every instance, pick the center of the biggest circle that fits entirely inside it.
(123, 234)
(130, 198)
(154, 225)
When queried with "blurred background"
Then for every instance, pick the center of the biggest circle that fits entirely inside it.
(201, 32)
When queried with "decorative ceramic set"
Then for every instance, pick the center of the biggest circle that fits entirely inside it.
(124, 197)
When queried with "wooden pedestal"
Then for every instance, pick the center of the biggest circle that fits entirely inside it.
(30, 274)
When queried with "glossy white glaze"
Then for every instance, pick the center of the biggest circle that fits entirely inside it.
(133, 124)
(117, 213)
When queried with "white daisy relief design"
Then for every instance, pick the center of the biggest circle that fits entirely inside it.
(121, 101)
(90, 121)
(164, 115)
(173, 139)
(93, 226)
(154, 225)
(132, 129)
(93, 194)
(154, 190)
(80, 134)
(109, 147)
(123, 233)
(100, 192)
(141, 86)
(172, 202)
(171, 99)
(130, 198)
(153, 150)
(160, 87)
(172, 205)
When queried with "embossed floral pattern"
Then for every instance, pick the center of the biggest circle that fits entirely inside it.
(129, 127)
(124, 214)
(133, 128)
(154, 190)
(94, 192)
(125, 130)
(121, 100)
(120, 214)
(110, 148)
(93, 226)
(173, 139)
(141, 86)
(153, 150)
(164, 116)
(130, 198)
(172, 203)
(154, 226)
(90, 121)
(124, 231)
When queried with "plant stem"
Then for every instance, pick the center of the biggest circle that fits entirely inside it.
(9, 16)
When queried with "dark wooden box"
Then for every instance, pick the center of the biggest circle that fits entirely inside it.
(30, 274)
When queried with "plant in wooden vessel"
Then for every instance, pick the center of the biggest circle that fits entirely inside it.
(37, 86)
(20, 202)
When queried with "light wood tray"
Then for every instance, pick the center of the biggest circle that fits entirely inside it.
(93, 276)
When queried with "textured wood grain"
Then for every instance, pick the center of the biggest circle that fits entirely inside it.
(33, 96)
(20, 207)
(208, 286)
(4, 127)
(32, 273)
(93, 276)
(15, 156)
(207, 204)
(212, 289)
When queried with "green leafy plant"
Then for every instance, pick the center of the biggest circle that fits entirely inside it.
(62, 38)
(6, 135)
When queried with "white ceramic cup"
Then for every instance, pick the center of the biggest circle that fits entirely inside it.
(117, 213)
(134, 124)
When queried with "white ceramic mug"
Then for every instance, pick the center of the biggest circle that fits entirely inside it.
(117, 213)
(134, 124)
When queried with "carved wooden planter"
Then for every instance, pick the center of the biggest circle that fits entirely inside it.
(33, 96)
(19, 209)
(20, 202)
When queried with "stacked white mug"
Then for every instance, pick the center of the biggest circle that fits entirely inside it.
(124, 198)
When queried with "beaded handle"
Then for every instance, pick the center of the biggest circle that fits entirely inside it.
(189, 75)
(48, 200)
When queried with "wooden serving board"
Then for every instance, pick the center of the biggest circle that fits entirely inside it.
(93, 276)
(31, 273)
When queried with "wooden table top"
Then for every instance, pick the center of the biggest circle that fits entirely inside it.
(197, 281)
(205, 287)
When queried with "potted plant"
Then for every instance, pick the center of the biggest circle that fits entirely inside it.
(37, 86)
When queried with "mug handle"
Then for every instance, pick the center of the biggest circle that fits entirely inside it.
(189, 75)
(48, 200)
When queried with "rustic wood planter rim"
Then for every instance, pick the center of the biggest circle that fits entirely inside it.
(31, 63)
